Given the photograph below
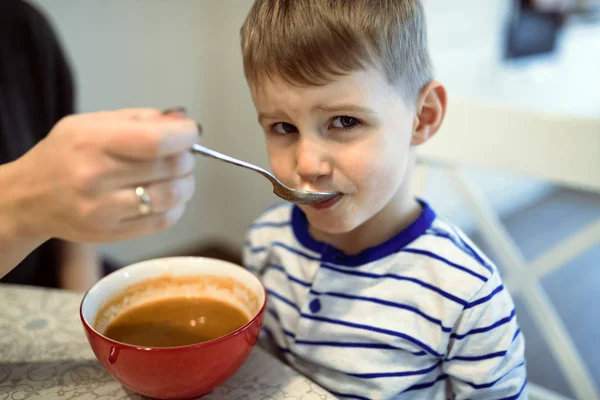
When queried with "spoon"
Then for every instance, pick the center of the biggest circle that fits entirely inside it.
(285, 192)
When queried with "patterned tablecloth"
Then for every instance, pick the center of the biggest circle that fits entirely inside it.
(44, 354)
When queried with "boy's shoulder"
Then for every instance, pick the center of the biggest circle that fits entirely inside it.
(445, 252)
(279, 214)
(273, 222)
(444, 239)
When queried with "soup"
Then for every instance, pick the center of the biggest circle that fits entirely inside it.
(176, 322)
(168, 311)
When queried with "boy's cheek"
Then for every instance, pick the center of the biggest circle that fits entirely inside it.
(377, 172)
(282, 168)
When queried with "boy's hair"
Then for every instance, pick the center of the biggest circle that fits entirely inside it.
(309, 42)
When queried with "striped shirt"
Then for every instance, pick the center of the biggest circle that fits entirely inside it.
(422, 316)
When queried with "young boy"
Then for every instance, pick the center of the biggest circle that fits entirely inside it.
(370, 294)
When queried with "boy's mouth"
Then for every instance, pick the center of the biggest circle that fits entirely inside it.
(327, 203)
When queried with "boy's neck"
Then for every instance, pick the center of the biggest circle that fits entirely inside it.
(391, 220)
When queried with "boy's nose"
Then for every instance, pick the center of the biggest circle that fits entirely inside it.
(312, 160)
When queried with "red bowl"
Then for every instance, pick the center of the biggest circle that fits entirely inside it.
(175, 372)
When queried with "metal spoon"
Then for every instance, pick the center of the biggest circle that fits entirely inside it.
(286, 193)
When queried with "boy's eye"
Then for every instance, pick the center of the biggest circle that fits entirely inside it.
(344, 122)
(284, 128)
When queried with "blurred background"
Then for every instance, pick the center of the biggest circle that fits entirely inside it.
(537, 59)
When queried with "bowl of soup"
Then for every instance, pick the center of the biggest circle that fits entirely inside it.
(174, 328)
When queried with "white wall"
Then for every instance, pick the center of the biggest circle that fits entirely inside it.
(145, 53)
(186, 52)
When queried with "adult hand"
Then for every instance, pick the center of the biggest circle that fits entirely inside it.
(80, 182)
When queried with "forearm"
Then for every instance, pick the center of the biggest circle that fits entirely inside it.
(17, 240)
(79, 267)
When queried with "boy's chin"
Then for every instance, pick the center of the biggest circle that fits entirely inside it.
(332, 225)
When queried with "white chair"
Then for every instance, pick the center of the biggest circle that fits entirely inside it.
(558, 149)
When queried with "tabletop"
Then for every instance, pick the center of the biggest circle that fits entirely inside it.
(44, 354)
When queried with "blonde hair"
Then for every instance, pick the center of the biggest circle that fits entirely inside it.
(309, 42)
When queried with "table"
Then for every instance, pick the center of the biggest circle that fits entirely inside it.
(44, 354)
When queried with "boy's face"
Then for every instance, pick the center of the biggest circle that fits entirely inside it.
(350, 136)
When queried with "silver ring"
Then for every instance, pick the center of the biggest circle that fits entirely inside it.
(143, 204)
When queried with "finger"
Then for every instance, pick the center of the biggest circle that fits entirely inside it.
(139, 226)
(128, 173)
(164, 196)
(175, 112)
(148, 140)
(139, 114)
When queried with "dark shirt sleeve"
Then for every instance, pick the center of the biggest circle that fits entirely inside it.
(36, 91)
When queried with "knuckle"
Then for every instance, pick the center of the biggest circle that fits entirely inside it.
(162, 223)
(165, 221)
(87, 211)
(69, 121)
(191, 186)
(175, 165)
(178, 192)
(153, 141)
(180, 164)
(175, 193)
(85, 179)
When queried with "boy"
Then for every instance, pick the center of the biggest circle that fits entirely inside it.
(370, 294)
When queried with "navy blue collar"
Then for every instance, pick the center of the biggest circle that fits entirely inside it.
(393, 245)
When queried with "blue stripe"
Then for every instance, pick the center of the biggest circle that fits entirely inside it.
(377, 375)
(356, 345)
(269, 209)
(472, 251)
(289, 333)
(350, 324)
(445, 261)
(516, 396)
(487, 328)
(269, 333)
(275, 316)
(386, 303)
(296, 251)
(260, 225)
(426, 285)
(292, 278)
(478, 358)
(348, 396)
(486, 298)
(375, 329)
(285, 350)
(286, 301)
(255, 250)
(516, 335)
(346, 344)
(459, 242)
(426, 385)
(399, 278)
(490, 384)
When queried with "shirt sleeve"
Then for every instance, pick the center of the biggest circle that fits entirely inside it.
(255, 252)
(255, 259)
(486, 351)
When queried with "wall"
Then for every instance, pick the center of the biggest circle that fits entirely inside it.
(152, 53)
(186, 52)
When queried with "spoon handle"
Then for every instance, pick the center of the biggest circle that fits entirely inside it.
(223, 157)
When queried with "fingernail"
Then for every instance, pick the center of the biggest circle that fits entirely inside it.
(199, 129)
(174, 110)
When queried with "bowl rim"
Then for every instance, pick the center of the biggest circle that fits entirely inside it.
(211, 342)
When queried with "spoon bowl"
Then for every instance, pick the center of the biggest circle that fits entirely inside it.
(285, 192)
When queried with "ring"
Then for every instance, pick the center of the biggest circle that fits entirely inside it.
(143, 198)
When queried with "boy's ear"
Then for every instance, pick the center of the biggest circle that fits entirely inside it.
(431, 109)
